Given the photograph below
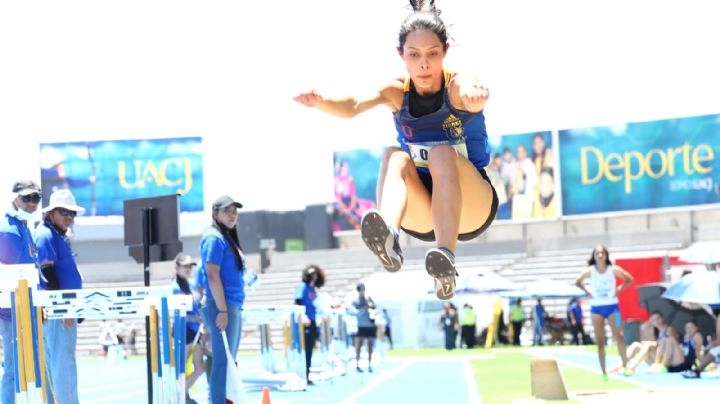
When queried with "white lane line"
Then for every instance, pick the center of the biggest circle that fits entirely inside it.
(109, 399)
(376, 383)
(105, 387)
(472, 390)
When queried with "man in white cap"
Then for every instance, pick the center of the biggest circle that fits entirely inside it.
(16, 247)
(59, 271)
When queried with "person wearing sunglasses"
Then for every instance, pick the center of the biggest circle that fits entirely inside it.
(16, 247)
(59, 271)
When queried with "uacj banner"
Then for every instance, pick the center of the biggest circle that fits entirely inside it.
(644, 165)
(104, 173)
(356, 173)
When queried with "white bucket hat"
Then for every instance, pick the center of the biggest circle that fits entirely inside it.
(63, 198)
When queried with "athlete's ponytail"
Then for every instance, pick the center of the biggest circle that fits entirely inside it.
(424, 17)
(424, 5)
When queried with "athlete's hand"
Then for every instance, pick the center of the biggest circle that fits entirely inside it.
(474, 96)
(310, 99)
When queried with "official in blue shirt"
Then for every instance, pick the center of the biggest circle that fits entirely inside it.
(16, 247)
(223, 265)
(576, 326)
(313, 278)
(59, 272)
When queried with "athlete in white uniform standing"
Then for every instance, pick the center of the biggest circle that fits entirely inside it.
(603, 301)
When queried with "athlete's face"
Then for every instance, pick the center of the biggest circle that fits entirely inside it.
(423, 54)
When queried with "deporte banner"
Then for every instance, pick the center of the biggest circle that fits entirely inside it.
(645, 165)
(104, 173)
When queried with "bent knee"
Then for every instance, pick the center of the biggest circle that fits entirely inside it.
(442, 156)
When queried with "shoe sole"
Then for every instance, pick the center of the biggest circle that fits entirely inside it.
(439, 266)
(375, 233)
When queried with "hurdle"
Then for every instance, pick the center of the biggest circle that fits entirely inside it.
(26, 303)
(288, 375)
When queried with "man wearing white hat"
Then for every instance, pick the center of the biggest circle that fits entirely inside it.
(59, 271)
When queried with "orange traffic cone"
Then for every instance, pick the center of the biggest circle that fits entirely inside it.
(266, 395)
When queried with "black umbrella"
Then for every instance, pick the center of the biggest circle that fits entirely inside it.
(651, 300)
(674, 313)
(704, 320)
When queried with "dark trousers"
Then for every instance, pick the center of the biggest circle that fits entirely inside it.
(311, 335)
(467, 333)
(450, 336)
(388, 335)
(576, 330)
(517, 328)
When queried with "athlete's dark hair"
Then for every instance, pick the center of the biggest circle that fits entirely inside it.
(424, 17)
(314, 269)
(591, 261)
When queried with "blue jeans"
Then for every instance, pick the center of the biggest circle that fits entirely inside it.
(60, 344)
(218, 374)
(8, 379)
(539, 330)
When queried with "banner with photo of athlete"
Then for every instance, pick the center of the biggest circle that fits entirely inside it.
(641, 165)
(522, 171)
(356, 174)
(102, 174)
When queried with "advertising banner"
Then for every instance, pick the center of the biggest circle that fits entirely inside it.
(522, 172)
(104, 173)
(356, 173)
(643, 165)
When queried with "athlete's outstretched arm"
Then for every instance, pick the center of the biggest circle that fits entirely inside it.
(348, 107)
(472, 92)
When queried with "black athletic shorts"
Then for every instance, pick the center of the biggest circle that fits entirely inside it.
(367, 332)
(430, 236)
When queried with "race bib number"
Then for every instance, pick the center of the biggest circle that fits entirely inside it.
(420, 152)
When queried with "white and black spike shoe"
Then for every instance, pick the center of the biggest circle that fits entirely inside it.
(381, 240)
(440, 264)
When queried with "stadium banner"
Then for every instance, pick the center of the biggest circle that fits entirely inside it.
(522, 171)
(643, 165)
(356, 174)
(102, 174)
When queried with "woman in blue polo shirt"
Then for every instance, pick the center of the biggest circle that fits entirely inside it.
(603, 301)
(223, 265)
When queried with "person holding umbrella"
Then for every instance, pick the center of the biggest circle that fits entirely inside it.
(602, 292)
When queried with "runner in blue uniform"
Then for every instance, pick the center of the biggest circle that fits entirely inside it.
(433, 185)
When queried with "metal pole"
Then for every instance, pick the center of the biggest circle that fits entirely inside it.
(147, 241)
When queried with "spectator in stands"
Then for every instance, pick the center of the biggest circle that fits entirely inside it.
(603, 292)
(517, 317)
(183, 284)
(222, 263)
(433, 185)
(539, 317)
(16, 247)
(467, 326)
(575, 317)
(313, 278)
(388, 326)
(449, 322)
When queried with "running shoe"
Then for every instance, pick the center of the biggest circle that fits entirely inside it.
(690, 374)
(628, 371)
(441, 266)
(382, 240)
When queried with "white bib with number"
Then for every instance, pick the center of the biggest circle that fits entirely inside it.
(420, 151)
